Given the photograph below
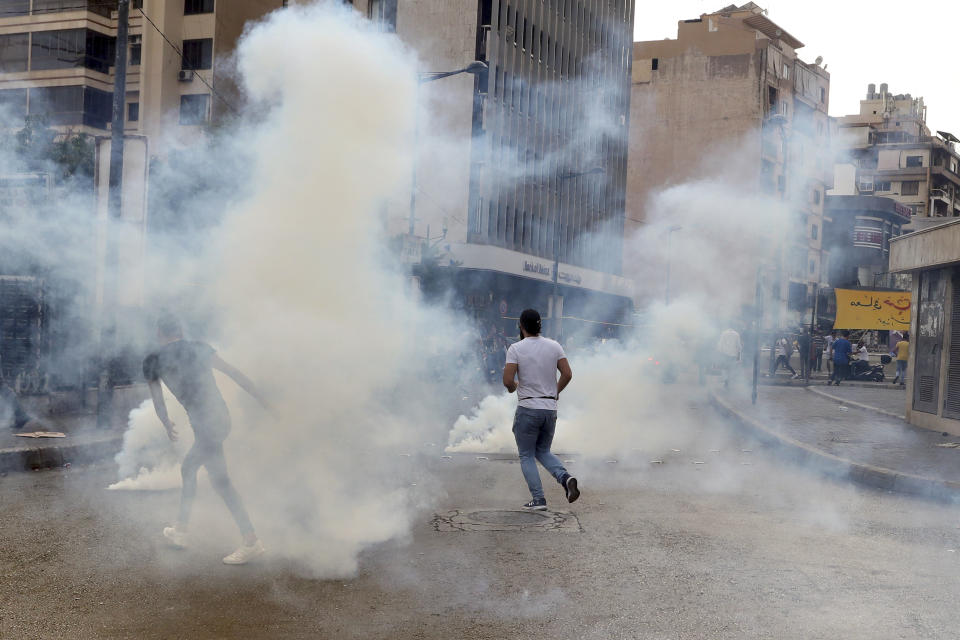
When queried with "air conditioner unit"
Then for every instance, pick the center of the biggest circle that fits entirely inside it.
(185, 75)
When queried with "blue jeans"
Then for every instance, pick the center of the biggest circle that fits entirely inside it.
(901, 371)
(533, 430)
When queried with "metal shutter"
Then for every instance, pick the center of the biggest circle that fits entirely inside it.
(951, 400)
(929, 341)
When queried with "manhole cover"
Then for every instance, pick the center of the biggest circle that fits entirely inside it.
(504, 520)
(509, 517)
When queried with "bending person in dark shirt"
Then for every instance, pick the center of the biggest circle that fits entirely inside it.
(186, 367)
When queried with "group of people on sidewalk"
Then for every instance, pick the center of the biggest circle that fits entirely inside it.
(843, 358)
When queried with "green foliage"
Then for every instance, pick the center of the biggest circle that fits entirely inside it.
(38, 147)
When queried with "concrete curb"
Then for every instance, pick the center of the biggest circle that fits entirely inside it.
(859, 405)
(38, 456)
(832, 465)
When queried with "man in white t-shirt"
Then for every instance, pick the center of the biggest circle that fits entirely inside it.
(531, 371)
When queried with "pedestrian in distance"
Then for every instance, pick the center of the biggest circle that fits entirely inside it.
(186, 367)
(784, 350)
(828, 351)
(819, 347)
(730, 348)
(531, 370)
(903, 354)
(841, 358)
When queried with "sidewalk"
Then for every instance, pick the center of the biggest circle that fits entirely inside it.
(868, 445)
(85, 442)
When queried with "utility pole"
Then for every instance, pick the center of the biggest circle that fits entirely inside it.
(108, 308)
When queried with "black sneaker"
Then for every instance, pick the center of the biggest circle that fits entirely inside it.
(537, 504)
(572, 492)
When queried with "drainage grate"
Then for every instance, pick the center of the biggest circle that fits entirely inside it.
(504, 520)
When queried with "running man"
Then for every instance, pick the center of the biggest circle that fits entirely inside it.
(531, 371)
(186, 367)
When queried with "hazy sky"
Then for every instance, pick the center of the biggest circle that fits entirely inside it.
(908, 45)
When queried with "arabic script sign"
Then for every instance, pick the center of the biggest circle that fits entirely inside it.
(885, 310)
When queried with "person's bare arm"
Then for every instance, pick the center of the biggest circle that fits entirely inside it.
(510, 376)
(243, 381)
(156, 392)
(566, 375)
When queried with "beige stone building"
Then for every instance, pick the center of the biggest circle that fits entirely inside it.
(892, 153)
(732, 91)
(57, 59)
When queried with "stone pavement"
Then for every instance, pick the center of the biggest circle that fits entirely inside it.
(877, 449)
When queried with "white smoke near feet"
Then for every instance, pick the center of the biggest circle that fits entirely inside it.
(718, 234)
(305, 304)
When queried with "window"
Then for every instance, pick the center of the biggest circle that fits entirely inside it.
(655, 64)
(133, 111)
(823, 94)
(914, 161)
(814, 231)
(193, 108)
(193, 7)
(383, 13)
(10, 8)
(72, 105)
(816, 196)
(135, 54)
(883, 185)
(813, 267)
(13, 52)
(910, 188)
(13, 102)
(197, 54)
(100, 7)
(71, 48)
(524, 36)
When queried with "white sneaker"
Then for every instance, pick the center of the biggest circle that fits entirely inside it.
(245, 553)
(177, 539)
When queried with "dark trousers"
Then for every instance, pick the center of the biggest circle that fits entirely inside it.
(210, 455)
(785, 362)
(841, 371)
(816, 363)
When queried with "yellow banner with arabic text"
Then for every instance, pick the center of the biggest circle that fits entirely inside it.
(885, 310)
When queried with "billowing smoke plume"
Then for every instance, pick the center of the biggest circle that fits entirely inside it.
(300, 293)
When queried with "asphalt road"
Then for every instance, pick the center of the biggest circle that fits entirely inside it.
(741, 546)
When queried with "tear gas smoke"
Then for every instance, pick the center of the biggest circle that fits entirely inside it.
(616, 400)
(304, 300)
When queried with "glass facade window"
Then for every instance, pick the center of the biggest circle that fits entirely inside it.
(99, 7)
(194, 108)
(10, 8)
(13, 105)
(194, 7)
(13, 52)
(72, 105)
(197, 54)
(71, 48)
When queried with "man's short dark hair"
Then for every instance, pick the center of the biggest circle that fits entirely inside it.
(845, 333)
(530, 321)
(168, 324)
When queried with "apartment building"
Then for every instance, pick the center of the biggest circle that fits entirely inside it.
(731, 89)
(540, 170)
(57, 57)
(892, 153)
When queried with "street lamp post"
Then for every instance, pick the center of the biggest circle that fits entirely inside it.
(475, 68)
(556, 302)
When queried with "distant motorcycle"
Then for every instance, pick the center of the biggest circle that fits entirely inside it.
(863, 370)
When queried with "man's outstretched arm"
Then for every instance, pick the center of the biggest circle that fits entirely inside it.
(243, 381)
(156, 392)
